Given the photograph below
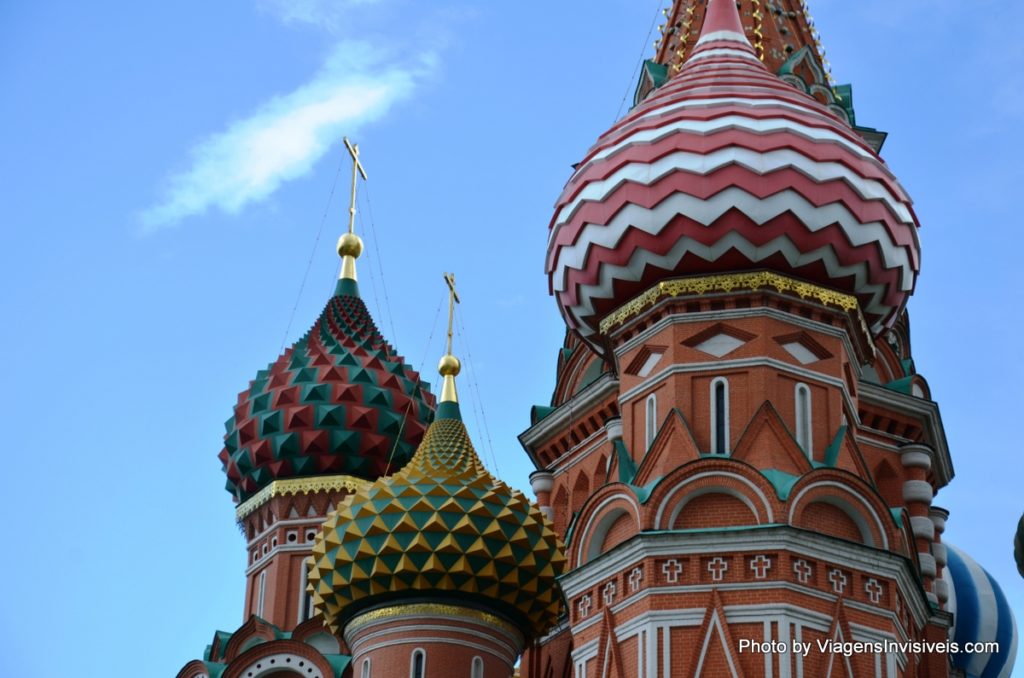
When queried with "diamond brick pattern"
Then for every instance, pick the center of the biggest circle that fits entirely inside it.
(340, 401)
(442, 525)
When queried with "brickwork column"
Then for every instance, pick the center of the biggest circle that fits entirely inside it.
(939, 516)
(917, 495)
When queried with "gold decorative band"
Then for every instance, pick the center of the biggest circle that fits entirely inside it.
(281, 488)
(434, 611)
(729, 282)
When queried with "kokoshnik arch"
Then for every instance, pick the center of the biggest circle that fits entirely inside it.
(738, 449)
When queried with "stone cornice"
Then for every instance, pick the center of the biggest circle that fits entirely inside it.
(558, 420)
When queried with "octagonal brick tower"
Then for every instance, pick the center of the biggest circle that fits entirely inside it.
(739, 447)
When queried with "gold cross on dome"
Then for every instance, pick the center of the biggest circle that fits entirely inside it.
(453, 298)
(357, 169)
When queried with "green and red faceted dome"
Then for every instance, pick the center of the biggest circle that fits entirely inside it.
(340, 401)
(726, 168)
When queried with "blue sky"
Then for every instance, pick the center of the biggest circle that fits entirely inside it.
(167, 168)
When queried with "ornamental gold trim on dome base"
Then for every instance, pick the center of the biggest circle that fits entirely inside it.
(433, 610)
(291, 486)
(730, 282)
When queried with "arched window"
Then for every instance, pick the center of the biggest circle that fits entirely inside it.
(418, 664)
(365, 673)
(305, 598)
(651, 414)
(803, 419)
(261, 596)
(720, 416)
(478, 668)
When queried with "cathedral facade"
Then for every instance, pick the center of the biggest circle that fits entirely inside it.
(737, 469)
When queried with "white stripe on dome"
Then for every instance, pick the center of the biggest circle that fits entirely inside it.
(759, 210)
(731, 36)
(723, 52)
(757, 162)
(640, 259)
(733, 121)
(988, 624)
(697, 100)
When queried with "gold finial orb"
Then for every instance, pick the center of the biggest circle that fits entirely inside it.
(449, 366)
(350, 245)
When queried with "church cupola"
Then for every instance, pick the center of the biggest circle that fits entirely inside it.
(443, 545)
(335, 411)
(726, 169)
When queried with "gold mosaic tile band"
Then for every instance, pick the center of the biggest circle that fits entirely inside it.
(290, 486)
(730, 282)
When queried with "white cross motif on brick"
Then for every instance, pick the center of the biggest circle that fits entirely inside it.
(635, 577)
(718, 567)
(802, 571)
(609, 593)
(672, 568)
(838, 579)
(584, 605)
(760, 565)
(874, 590)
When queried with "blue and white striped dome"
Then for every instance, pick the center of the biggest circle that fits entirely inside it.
(981, 613)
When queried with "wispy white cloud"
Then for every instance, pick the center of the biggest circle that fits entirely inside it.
(328, 14)
(284, 137)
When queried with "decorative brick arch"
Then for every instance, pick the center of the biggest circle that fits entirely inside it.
(253, 632)
(194, 669)
(843, 491)
(612, 512)
(735, 480)
(279, 658)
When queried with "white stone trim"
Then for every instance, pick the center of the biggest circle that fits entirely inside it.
(872, 561)
(918, 491)
(922, 527)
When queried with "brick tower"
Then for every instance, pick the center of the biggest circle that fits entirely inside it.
(739, 449)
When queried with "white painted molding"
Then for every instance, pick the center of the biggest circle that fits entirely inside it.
(918, 490)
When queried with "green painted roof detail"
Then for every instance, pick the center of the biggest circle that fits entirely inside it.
(538, 412)
(897, 515)
(902, 385)
(833, 449)
(215, 670)
(627, 467)
(652, 73)
(908, 366)
(443, 527)
(338, 662)
(782, 482)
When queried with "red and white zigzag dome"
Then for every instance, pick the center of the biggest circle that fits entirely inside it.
(728, 168)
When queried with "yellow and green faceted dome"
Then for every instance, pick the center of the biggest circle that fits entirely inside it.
(442, 527)
(341, 401)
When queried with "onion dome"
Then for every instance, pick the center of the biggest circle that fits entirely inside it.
(981, 614)
(1018, 546)
(727, 168)
(441, 528)
(340, 401)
